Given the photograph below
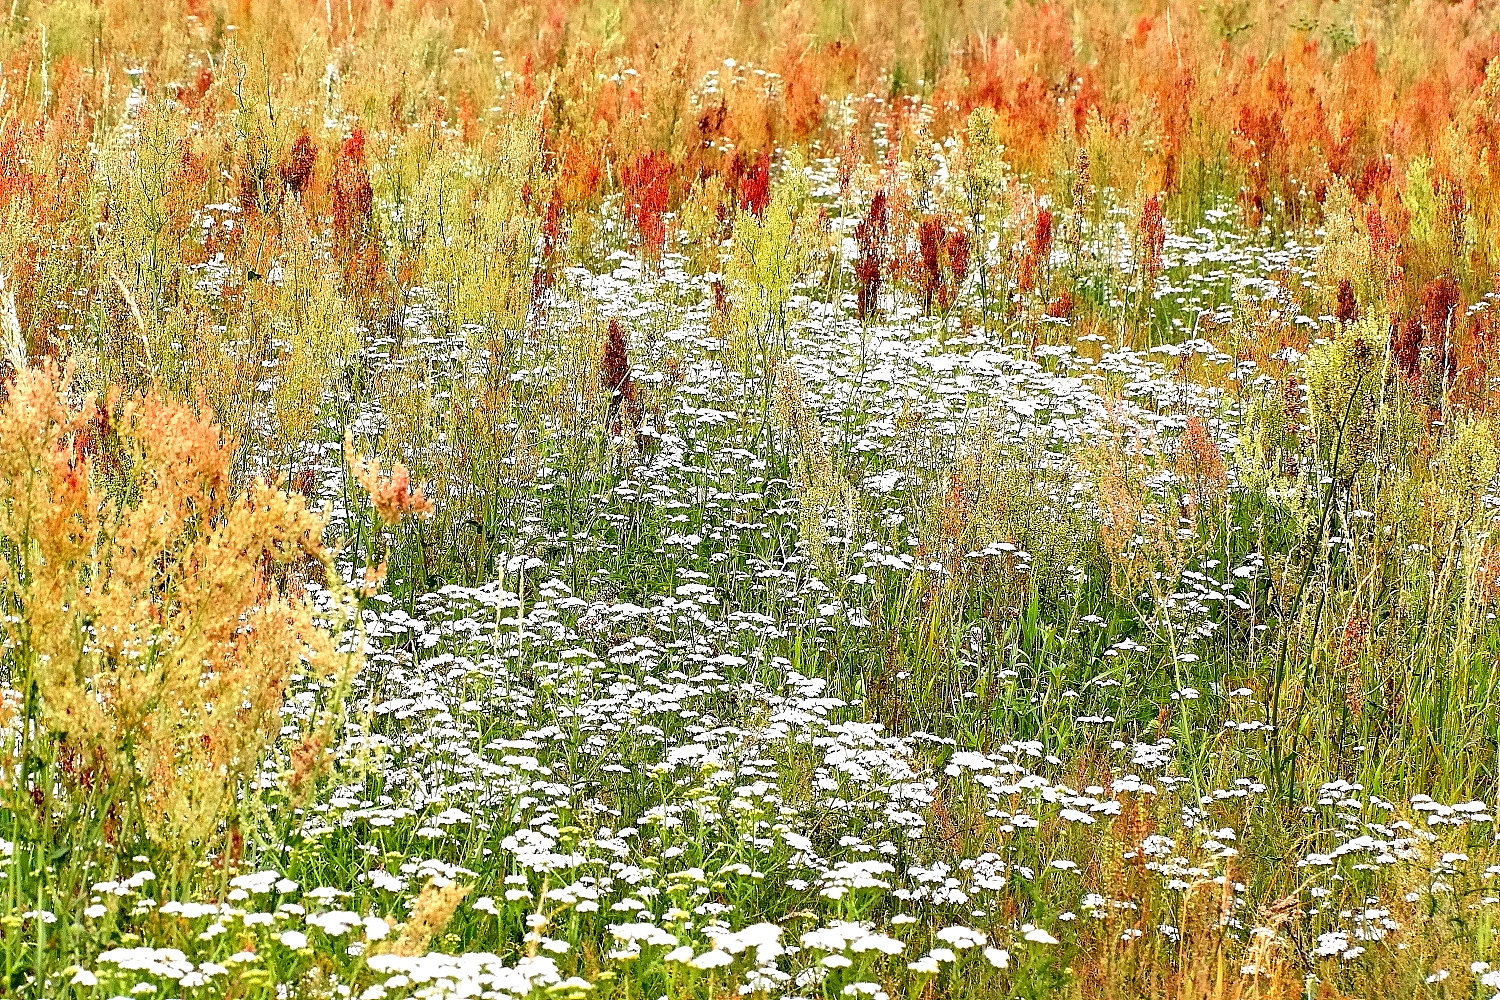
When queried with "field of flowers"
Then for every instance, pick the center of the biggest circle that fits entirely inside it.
(890, 499)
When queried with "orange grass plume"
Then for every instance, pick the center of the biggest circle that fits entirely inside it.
(392, 493)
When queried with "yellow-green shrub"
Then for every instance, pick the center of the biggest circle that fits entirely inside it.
(152, 620)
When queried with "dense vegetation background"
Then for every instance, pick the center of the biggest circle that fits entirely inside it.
(701, 499)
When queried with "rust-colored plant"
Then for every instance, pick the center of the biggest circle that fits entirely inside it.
(873, 235)
(296, 170)
(357, 245)
(1200, 466)
(1038, 251)
(614, 372)
(646, 183)
(755, 186)
(1153, 239)
(942, 262)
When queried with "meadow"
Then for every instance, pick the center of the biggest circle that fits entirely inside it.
(634, 499)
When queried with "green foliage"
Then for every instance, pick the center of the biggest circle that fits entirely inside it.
(1345, 379)
(767, 258)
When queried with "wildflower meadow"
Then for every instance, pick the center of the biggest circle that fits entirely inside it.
(656, 499)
